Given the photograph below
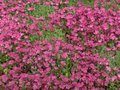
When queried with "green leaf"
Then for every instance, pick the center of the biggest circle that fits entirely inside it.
(4, 58)
(68, 68)
(40, 10)
(34, 38)
(73, 2)
(58, 33)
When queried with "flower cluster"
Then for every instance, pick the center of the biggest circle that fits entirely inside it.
(69, 64)
(58, 65)
(94, 27)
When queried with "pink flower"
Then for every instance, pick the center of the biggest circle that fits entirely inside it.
(63, 63)
(64, 55)
(4, 78)
(118, 76)
(114, 78)
(31, 9)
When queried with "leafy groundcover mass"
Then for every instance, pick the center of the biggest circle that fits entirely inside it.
(59, 44)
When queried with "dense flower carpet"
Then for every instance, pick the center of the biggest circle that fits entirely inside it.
(59, 44)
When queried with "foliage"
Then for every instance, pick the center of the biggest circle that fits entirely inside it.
(59, 45)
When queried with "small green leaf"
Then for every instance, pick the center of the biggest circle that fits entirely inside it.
(34, 38)
(40, 10)
(4, 58)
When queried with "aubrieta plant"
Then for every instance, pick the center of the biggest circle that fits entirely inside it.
(59, 45)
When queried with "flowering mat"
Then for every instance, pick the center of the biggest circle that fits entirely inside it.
(59, 44)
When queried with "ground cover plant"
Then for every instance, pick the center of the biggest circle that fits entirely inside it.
(59, 44)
